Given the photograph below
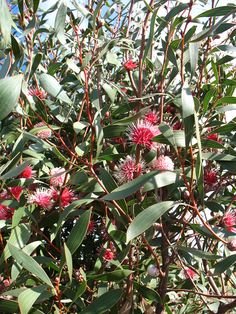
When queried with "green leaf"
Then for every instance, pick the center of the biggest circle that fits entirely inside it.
(7, 306)
(69, 261)
(19, 237)
(36, 63)
(218, 157)
(130, 187)
(147, 218)
(53, 88)
(111, 92)
(199, 253)
(105, 302)
(193, 54)
(187, 101)
(78, 232)
(147, 293)
(176, 139)
(35, 5)
(14, 172)
(226, 100)
(116, 275)
(27, 262)
(226, 108)
(5, 24)
(28, 297)
(9, 95)
(225, 264)
(60, 23)
(160, 180)
(151, 34)
(219, 11)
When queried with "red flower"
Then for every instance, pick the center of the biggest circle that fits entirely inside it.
(108, 255)
(142, 133)
(27, 173)
(37, 92)
(127, 170)
(177, 126)
(151, 117)
(229, 220)
(210, 177)
(130, 65)
(213, 137)
(66, 197)
(16, 191)
(6, 212)
(189, 273)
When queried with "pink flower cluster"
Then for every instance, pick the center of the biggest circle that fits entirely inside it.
(229, 220)
(142, 132)
(128, 169)
(47, 198)
(46, 133)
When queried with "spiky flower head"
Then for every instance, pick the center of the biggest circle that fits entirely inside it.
(127, 170)
(142, 133)
(229, 220)
(163, 163)
(37, 92)
(151, 117)
(6, 212)
(42, 197)
(58, 176)
(130, 65)
(210, 177)
(108, 255)
(65, 197)
(46, 133)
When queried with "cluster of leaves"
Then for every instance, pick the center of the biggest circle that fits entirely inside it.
(80, 233)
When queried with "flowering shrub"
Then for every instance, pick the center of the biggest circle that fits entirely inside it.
(118, 157)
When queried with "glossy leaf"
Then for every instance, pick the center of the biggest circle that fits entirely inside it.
(105, 302)
(78, 232)
(53, 88)
(199, 253)
(8, 95)
(29, 263)
(225, 264)
(28, 297)
(130, 187)
(147, 218)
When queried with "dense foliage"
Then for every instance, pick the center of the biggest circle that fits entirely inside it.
(118, 157)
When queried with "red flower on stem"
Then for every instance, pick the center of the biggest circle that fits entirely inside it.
(130, 65)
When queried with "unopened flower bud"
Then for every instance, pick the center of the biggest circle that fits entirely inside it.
(152, 270)
(232, 245)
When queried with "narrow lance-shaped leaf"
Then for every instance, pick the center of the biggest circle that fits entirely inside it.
(129, 188)
(28, 297)
(10, 88)
(69, 261)
(78, 232)
(5, 24)
(60, 22)
(147, 218)
(104, 302)
(29, 263)
(225, 264)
